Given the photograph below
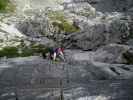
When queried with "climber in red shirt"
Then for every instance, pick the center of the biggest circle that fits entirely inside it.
(58, 52)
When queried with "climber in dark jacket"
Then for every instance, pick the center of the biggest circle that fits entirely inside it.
(57, 52)
(52, 53)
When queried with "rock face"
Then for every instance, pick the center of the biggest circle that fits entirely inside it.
(78, 71)
(112, 5)
(9, 35)
(27, 5)
(34, 27)
(97, 28)
(83, 8)
(95, 33)
(98, 74)
(109, 25)
(37, 28)
(111, 53)
(34, 78)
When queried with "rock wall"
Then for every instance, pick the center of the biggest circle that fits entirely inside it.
(109, 5)
(109, 25)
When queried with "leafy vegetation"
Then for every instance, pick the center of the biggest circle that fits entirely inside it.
(38, 48)
(9, 52)
(6, 6)
(61, 22)
(23, 51)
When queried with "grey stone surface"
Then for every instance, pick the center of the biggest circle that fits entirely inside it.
(96, 75)
(34, 78)
(109, 5)
(95, 33)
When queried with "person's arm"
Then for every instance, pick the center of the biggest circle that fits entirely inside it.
(62, 55)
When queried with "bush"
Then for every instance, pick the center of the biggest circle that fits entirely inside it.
(9, 52)
(3, 4)
(38, 48)
(26, 52)
(6, 5)
(68, 27)
(61, 22)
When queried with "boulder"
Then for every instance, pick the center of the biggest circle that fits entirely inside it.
(112, 53)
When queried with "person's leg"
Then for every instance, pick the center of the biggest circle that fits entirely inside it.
(61, 53)
(44, 55)
(51, 53)
(54, 56)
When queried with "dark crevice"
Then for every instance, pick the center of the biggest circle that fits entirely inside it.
(114, 70)
(125, 68)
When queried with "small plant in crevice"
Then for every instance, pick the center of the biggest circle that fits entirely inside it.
(66, 27)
